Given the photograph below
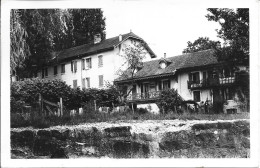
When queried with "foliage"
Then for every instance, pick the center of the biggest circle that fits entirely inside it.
(202, 43)
(169, 100)
(235, 33)
(28, 91)
(37, 33)
(133, 55)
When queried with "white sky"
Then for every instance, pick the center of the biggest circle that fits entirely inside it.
(165, 27)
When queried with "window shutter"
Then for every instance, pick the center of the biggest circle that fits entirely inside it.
(190, 77)
(71, 66)
(83, 63)
(83, 83)
(100, 80)
(198, 76)
(90, 63)
(75, 66)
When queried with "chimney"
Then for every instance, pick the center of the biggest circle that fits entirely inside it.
(97, 38)
(120, 37)
(164, 55)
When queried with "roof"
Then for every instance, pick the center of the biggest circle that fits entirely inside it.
(91, 48)
(152, 69)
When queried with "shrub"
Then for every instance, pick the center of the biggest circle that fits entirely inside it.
(169, 100)
(142, 111)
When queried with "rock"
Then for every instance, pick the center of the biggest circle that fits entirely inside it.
(123, 131)
(23, 138)
(58, 153)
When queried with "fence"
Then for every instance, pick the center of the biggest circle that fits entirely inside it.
(50, 108)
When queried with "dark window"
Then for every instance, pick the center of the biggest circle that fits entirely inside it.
(166, 84)
(74, 66)
(88, 63)
(100, 61)
(88, 82)
(75, 85)
(83, 64)
(46, 72)
(43, 73)
(196, 96)
(62, 68)
(194, 77)
(55, 70)
(100, 80)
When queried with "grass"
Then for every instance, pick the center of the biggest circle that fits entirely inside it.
(17, 120)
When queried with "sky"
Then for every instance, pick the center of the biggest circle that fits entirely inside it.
(166, 27)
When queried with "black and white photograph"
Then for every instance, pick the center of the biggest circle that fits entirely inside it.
(121, 81)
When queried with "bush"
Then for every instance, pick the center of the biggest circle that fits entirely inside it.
(169, 100)
(141, 111)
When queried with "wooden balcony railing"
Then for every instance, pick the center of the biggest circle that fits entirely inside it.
(210, 82)
(144, 96)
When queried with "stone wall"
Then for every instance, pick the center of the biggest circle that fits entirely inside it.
(149, 139)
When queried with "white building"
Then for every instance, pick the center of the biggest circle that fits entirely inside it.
(197, 77)
(92, 65)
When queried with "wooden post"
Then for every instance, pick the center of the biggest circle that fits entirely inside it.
(58, 111)
(61, 107)
(40, 104)
(95, 104)
(133, 108)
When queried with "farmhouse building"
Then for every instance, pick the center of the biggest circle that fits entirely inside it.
(196, 77)
(92, 65)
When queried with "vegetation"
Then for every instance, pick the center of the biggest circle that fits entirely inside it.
(19, 120)
(235, 33)
(202, 43)
(37, 33)
(169, 101)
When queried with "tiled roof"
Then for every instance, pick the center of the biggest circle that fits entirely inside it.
(91, 48)
(180, 62)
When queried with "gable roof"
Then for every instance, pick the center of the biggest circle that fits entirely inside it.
(192, 60)
(91, 48)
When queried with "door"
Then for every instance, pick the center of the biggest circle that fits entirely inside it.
(146, 90)
(134, 92)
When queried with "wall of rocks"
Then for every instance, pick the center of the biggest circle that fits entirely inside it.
(155, 139)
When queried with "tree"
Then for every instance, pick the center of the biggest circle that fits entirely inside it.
(37, 33)
(202, 43)
(133, 56)
(235, 33)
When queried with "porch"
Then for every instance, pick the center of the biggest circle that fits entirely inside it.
(211, 82)
(146, 97)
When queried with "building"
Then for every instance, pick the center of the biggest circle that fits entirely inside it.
(92, 65)
(196, 77)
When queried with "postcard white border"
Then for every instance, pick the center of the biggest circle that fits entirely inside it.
(5, 88)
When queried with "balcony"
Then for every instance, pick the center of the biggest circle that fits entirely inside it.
(211, 82)
(144, 97)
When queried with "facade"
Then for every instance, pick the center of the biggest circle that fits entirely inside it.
(92, 65)
(196, 77)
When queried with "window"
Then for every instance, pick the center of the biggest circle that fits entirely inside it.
(196, 96)
(100, 80)
(62, 68)
(194, 77)
(44, 72)
(100, 61)
(88, 63)
(83, 83)
(74, 66)
(83, 64)
(88, 82)
(75, 85)
(166, 84)
(55, 70)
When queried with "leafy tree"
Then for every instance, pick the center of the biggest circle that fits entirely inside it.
(36, 33)
(133, 56)
(202, 43)
(235, 33)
